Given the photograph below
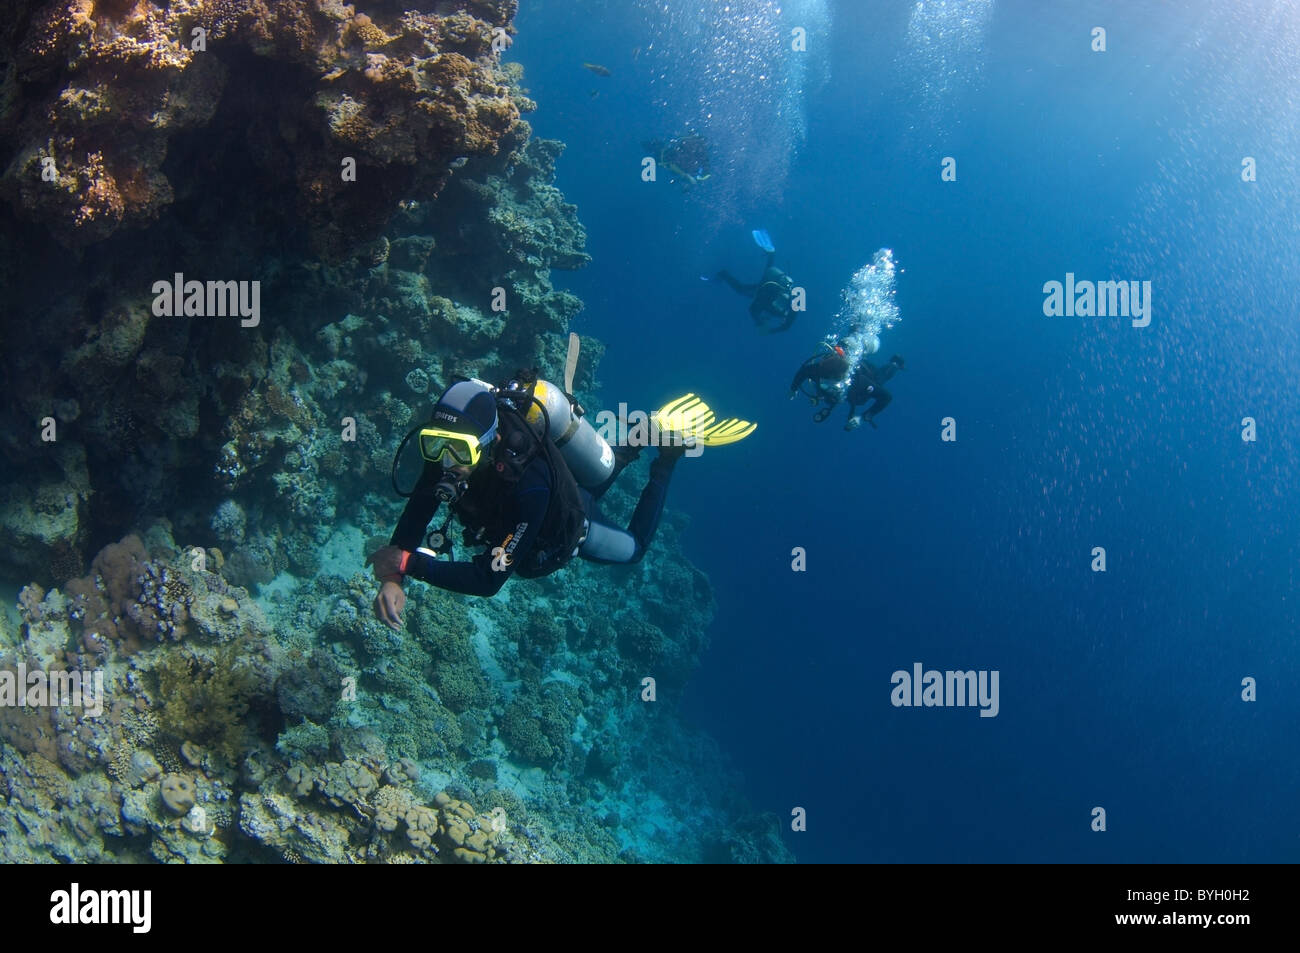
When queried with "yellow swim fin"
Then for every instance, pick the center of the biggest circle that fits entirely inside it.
(692, 418)
(686, 415)
(727, 431)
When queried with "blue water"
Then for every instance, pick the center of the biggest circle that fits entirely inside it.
(1119, 690)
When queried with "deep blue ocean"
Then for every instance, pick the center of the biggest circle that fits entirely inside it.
(1120, 689)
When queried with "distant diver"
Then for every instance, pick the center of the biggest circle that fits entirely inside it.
(828, 372)
(772, 303)
(522, 470)
(686, 157)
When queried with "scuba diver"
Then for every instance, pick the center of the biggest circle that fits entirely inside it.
(686, 157)
(825, 372)
(828, 373)
(868, 385)
(772, 306)
(522, 470)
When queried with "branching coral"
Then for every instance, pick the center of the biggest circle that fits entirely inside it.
(204, 697)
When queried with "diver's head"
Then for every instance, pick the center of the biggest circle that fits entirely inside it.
(897, 361)
(463, 424)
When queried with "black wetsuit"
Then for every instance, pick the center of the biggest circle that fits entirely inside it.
(868, 385)
(513, 514)
(831, 366)
(770, 294)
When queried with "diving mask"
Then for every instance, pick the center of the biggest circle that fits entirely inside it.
(451, 448)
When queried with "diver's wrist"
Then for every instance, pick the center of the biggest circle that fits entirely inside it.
(398, 576)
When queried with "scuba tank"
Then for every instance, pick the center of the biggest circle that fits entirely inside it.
(589, 457)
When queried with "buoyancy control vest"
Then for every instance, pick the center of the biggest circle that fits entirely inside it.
(483, 510)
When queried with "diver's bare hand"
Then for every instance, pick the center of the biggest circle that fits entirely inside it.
(389, 605)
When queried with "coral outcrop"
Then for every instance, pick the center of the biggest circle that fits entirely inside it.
(96, 92)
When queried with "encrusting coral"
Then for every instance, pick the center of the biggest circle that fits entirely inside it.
(98, 90)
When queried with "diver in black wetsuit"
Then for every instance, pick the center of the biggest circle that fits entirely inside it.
(828, 371)
(868, 385)
(824, 371)
(511, 495)
(772, 307)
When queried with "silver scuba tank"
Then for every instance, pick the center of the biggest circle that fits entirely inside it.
(589, 457)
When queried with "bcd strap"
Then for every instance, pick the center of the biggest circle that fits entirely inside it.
(569, 431)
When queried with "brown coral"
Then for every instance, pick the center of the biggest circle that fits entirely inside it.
(400, 94)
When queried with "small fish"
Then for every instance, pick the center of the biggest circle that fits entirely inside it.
(597, 69)
(593, 93)
(459, 162)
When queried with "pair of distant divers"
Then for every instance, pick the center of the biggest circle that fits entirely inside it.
(840, 374)
(832, 377)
